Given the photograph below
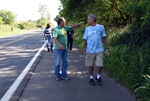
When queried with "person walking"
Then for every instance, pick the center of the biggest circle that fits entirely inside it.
(60, 48)
(48, 38)
(70, 36)
(94, 36)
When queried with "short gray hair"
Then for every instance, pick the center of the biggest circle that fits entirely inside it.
(92, 16)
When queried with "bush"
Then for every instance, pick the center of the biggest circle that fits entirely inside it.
(8, 17)
(129, 64)
(26, 25)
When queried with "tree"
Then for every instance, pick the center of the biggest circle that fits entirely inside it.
(42, 9)
(56, 18)
(8, 17)
(109, 12)
(42, 22)
(48, 15)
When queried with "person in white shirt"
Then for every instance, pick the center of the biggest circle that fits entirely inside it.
(48, 38)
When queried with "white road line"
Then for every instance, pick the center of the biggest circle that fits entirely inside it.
(17, 82)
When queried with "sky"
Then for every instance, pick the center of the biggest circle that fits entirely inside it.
(28, 9)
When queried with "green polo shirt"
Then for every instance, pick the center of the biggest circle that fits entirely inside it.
(61, 35)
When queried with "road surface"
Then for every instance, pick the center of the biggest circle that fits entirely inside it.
(15, 53)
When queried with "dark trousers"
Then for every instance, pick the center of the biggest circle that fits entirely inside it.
(70, 43)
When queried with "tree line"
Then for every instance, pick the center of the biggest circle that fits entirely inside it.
(112, 13)
(9, 18)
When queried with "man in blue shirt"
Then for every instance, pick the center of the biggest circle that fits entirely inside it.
(94, 36)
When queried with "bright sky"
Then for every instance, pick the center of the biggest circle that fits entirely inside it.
(28, 9)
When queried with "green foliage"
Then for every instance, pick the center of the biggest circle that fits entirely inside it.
(140, 12)
(42, 22)
(8, 17)
(113, 13)
(129, 64)
(1, 21)
(109, 12)
(26, 25)
(145, 88)
(79, 36)
(7, 30)
(56, 18)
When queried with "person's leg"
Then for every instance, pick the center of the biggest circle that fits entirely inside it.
(51, 44)
(57, 56)
(68, 43)
(91, 69)
(99, 71)
(52, 47)
(64, 64)
(71, 43)
(99, 64)
(47, 44)
(49, 41)
(89, 62)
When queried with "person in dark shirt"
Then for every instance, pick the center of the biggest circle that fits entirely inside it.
(70, 36)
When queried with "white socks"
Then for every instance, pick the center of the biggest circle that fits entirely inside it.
(91, 77)
(98, 76)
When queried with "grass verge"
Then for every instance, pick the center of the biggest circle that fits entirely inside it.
(6, 30)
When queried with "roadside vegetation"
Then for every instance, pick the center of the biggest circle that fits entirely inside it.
(9, 25)
(127, 24)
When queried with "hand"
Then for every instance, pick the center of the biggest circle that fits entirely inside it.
(107, 52)
(61, 47)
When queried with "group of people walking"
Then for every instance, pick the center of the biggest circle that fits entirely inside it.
(62, 36)
(48, 35)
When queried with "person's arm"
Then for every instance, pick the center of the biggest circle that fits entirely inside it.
(77, 25)
(106, 46)
(85, 44)
(58, 44)
(52, 31)
(45, 36)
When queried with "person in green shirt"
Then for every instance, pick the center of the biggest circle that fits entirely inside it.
(60, 47)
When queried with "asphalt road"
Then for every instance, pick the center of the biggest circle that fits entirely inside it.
(15, 53)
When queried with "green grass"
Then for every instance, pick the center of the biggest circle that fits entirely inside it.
(128, 63)
(5, 30)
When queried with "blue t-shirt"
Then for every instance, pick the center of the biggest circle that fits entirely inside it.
(94, 35)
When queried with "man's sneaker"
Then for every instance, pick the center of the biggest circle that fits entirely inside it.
(92, 83)
(58, 78)
(65, 78)
(99, 81)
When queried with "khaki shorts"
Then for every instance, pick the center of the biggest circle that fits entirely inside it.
(94, 59)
